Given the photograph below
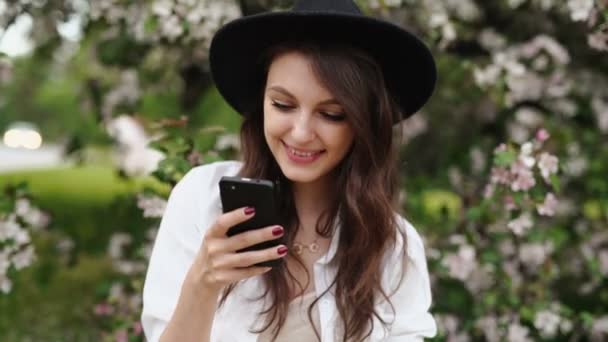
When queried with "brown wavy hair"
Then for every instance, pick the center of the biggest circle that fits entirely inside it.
(365, 188)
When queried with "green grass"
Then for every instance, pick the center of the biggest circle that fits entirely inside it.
(90, 185)
(86, 203)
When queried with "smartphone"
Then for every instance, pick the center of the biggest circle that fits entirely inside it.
(238, 192)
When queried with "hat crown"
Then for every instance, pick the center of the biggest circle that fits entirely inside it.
(335, 6)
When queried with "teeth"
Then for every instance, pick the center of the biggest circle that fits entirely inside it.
(302, 154)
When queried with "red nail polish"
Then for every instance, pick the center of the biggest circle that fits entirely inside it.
(282, 250)
(249, 210)
(277, 231)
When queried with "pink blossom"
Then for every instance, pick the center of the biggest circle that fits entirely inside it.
(524, 178)
(460, 265)
(542, 135)
(547, 208)
(103, 309)
(489, 190)
(121, 336)
(137, 328)
(500, 175)
(521, 224)
(500, 148)
(509, 203)
(547, 164)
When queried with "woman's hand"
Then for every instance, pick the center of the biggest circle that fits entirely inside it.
(218, 264)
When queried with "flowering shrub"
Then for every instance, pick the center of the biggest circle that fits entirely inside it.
(120, 309)
(18, 219)
(119, 313)
(517, 247)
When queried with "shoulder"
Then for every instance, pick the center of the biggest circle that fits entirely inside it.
(413, 241)
(197, 193)
(408, 252)
(210, 174)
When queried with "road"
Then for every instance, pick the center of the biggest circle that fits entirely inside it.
(14, 159)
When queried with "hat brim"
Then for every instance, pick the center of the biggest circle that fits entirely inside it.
(408, 65)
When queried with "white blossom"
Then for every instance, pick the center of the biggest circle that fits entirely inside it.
(153, 206)
(227, 141)
(549, 205)
(133, 155)
(520, 225)
(529, 117)
(599, 329)
(489, 326)
(4, 263)
(547, 322)
(491, 40)
(517, 333)
(162, 8)
(461, 264)
(532, 255)
(547, 164)
(24, 258)
(603, 262)
(5, 284)
(515, 3)
(9, 229)
(600, 107)
(580, 9)
(117, 243)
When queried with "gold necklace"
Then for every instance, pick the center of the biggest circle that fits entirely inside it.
(312, 248)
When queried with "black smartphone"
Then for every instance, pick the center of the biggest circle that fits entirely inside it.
(237, 192)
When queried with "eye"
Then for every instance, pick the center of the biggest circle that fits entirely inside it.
(281, 106)
(336, 117)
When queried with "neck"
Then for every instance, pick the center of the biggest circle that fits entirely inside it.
(311, 199)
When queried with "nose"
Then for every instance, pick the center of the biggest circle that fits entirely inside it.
(303, 129)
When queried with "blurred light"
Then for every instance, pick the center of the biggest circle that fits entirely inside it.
(23, 135)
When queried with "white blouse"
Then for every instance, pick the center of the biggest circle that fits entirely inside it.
(194, 205)
(297, 325)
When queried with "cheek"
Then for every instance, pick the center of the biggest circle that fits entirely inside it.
(274, 125)
(339, 139)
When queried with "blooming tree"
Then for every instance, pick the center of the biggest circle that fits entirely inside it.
(515, 210)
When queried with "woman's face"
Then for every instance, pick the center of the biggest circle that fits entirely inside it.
(304, 126)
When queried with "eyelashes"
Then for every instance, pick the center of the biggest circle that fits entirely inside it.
(287, 108)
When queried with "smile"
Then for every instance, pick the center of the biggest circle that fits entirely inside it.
(301, 156)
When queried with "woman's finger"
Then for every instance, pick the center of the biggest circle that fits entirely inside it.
(234, 275)
(253, 237)
(246, 259)
(232, 218)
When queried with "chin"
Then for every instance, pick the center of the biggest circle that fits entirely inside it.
(298, 174)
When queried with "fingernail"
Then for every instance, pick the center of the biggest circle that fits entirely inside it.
(277, 231)
(249, 210)
(282, 250)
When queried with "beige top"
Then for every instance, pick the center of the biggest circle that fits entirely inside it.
(297, 326)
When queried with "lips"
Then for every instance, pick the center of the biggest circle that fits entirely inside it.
(301, 156)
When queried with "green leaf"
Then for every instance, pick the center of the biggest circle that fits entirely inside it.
(555, 182)
(505, 158)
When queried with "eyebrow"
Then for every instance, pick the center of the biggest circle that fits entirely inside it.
(288, 94)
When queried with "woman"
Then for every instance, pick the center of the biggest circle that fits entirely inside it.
(320, 88)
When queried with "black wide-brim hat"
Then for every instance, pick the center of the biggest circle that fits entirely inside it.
(407, 63)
